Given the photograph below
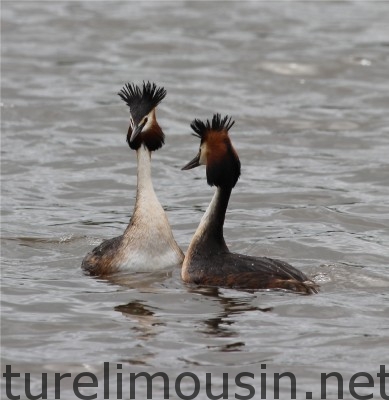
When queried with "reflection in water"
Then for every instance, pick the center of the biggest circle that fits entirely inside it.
(135, 308)
(138, 280)
(221, 324)
(144, 317)
(146, 321)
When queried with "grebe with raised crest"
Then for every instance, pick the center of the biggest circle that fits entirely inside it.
(208, 260)
(148, 243)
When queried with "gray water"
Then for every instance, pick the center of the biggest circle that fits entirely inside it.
(308, 86)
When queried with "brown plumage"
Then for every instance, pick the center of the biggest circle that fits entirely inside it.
(208, 261)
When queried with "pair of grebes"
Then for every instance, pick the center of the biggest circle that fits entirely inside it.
(148, 244)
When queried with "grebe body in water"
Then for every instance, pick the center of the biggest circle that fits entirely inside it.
(148, 243)
(208, 260)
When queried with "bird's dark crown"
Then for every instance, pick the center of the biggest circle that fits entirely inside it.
(218, 124)
(141, 100)
(222, 161)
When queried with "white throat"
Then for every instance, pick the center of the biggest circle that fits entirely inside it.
(145, 192)
(208, 215)
(206, 226)
(148, 242)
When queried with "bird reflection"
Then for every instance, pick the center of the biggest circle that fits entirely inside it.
(143, 316)
(135, 308)
(221, 324)
(145, 319)
(139, 281)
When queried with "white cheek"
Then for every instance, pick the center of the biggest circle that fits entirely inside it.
(203, 155)
(149, 123)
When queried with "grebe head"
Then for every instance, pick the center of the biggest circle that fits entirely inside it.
(216, 151)
(144, 127)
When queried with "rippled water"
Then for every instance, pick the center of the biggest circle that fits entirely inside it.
(308, 85)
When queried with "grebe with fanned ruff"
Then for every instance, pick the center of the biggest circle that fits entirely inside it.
(208, 260)
(148, 243)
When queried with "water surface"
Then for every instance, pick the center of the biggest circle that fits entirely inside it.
(307, 84)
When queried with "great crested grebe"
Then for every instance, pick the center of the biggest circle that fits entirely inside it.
(208, 261)
(148, 243)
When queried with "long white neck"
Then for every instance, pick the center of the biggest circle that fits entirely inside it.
(209, 233)
(145, 190)
(148, 243)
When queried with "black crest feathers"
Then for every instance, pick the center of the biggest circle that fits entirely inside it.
(222, 161)
(141, 100)
(218, 124)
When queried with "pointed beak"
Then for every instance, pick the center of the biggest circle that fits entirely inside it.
(136, 131)
(192, 164)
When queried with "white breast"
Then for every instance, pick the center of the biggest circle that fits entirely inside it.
(148, 243)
